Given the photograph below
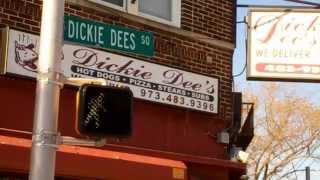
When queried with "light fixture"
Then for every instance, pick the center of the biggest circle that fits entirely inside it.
(237, 154)
(242, 156)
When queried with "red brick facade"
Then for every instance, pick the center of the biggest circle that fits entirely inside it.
(203, 44)
(213, 18)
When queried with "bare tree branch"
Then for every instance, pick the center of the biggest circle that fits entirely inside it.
(288, 136)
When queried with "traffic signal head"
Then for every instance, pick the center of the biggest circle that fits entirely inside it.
(104, 111)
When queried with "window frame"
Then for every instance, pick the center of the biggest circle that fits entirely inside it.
(104, 3)
(130, 8)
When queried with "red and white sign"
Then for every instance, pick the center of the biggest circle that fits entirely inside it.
(284, 44)
(148, 81)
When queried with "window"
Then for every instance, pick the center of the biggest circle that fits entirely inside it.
(160, 9)
(164, 11)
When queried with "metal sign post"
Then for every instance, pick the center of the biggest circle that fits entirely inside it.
(45, 136)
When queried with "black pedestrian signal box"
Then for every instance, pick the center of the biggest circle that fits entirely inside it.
(104, 111)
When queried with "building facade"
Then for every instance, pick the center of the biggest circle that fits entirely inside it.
(171, 139)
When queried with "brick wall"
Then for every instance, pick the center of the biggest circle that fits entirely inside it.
(212, 18)
(21, 14)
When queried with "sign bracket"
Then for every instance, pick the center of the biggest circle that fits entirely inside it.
(66, 140)
(51, 139)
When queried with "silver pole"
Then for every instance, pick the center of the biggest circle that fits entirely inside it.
(307, 173)
(44, 138)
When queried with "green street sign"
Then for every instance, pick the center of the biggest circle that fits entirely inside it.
(96, 34)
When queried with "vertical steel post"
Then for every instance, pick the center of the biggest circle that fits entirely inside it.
(307, 173)
(44, 139)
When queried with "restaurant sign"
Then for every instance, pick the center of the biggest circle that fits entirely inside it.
(284, 45)
(148, 81)
(100, 35)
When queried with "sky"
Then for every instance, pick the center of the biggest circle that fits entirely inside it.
(310, 91)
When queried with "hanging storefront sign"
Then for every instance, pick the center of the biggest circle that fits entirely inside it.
(100, 35)
(284, 44)
(148, 81)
